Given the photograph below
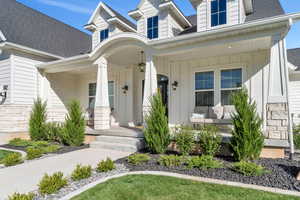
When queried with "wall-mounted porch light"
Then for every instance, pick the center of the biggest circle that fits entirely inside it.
(125, 89)
(4, 91)
(142, 64)
(175, 85)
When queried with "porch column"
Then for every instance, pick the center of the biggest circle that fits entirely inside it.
(150, 87)
(277, 111)
(102, 108)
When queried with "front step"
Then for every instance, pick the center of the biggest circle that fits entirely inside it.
(127, 144)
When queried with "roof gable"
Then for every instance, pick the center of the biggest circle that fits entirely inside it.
(112, 13)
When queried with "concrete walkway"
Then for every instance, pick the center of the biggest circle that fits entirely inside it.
(25, 177)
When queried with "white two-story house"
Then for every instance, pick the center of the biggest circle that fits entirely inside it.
(195, 61)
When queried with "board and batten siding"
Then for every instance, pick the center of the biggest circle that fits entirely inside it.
(25, 84)
(294, 97)
(5, 77)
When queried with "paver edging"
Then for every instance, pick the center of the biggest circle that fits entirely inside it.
(193, 178)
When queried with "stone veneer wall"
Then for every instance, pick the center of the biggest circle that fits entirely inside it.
(102, 118)
(14, 118)
(277, 121)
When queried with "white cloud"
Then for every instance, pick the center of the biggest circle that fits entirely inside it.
(67, 6)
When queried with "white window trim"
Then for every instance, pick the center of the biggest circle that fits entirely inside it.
(217, 78)
(158, 26)
(228, 20)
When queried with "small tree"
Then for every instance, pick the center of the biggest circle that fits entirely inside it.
(157, 133)
(74, 128)
(247, 139)
(37, 120)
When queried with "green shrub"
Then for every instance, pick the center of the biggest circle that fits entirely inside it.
(52, 184)
(157, 133)
(33, 153)
(105, 166)
(74, 129)
(12, 159)
(18, 142)
(185, 140)
(39, 144)
(37, 120)
(137, 159)
(249, 168)
(297, 140)
(18, 196)
(247, 139)
(51, 148)
(209, 140)
(54, 131)
(81, 172)
(171, 160)
(203, 162)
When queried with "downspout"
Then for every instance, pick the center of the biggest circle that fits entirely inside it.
(290, 125)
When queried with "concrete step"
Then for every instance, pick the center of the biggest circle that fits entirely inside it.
(120, 140)
(114, 146)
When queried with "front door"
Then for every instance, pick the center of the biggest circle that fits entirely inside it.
(162, 86)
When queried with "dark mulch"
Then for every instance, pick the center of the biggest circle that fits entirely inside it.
(62, 150)
(282, 172)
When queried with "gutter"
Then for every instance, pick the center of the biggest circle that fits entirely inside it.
(261, 22)
(9, 45)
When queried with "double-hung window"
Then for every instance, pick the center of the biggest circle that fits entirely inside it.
(231, 80)
(104, 34)
(218, 12)
(152, 24)
(92, 94)
(204, 88)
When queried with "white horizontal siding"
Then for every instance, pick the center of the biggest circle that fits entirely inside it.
(5, 77)
(294, 95)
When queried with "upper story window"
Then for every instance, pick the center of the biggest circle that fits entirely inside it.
(104, 35)
(231, 80)
(218, 12)
(204, 86)
(152, 24)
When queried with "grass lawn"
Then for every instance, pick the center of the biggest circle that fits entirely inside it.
(149, 187)
(4, 153)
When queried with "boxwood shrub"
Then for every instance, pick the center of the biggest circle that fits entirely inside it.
(52, 184)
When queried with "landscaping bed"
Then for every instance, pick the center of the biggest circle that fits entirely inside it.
(63, 149)
(282, 172)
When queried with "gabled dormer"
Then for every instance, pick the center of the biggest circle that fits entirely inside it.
(158, 19)
(217, 13)
(106, 22)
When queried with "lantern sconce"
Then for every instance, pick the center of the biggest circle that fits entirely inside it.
(175, 85)
(4, 92)
(125, 89)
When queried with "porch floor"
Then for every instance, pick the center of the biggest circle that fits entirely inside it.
(117, 131)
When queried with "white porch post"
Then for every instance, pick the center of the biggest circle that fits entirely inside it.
(102, 108)
(150, 87)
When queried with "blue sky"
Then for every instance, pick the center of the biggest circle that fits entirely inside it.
(77, 12)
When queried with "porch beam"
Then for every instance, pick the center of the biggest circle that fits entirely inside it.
(102, 108)
(150, 88)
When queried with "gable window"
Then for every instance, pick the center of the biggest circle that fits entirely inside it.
(218, 12)
(152, 24)
(204, 88)
(92, 94)
(231, 81)
(104, 35)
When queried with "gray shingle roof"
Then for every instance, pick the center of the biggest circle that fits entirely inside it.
(262, 9)
(293, 56)
(28, 27)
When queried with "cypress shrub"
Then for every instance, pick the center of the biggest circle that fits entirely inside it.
(157, 133)
(37, 120)
(74, 128)
(247, 139)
